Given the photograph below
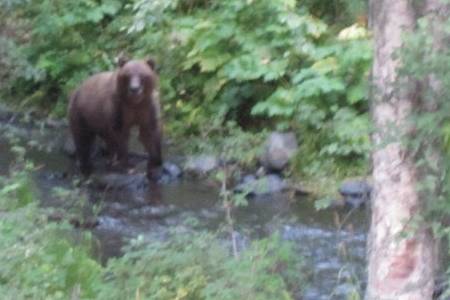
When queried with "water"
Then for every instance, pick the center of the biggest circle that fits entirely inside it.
(335, 258)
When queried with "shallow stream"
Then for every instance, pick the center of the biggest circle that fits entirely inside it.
(335, 254)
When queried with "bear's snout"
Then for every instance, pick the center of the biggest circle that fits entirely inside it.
(135, 87)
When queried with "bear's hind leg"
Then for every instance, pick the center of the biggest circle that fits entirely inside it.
(83, 144)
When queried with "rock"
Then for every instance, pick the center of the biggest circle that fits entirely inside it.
(85, 223)
(172, 170)
(153, 212)
(201, 164)
(68, 147)
(76, 221)
(169, 171)
(279, 148)
(267, 184)
(55, 123)
(355, 193)
(5, 114)
(135, 180)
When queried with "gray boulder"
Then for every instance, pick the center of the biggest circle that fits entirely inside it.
(268, 184)
(355, 193)
(201, 164)
(68, 147)
(279, 148)
(172, 170)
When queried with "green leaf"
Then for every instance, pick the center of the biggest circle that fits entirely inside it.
(111, 7)
(211, 62)
(244, 68)
(94, 15)
(357, 93)
(212, 87)
(323, 203)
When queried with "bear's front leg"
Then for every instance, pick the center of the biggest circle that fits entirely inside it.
(151, 139)
(117, 142)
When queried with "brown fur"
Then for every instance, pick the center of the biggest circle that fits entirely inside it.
(106, 105)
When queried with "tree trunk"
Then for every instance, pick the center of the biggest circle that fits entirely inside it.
(399, 267)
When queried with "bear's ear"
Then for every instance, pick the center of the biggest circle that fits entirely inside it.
(151, 62)
(122, 59)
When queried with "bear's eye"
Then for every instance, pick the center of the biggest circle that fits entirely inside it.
(147, 79)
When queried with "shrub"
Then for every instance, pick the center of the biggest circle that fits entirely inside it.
(201, 267)
(262, 64)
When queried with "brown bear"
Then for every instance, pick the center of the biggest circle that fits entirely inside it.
(109, 104)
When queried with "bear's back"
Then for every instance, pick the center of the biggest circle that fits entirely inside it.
(100, 86)
(94, 99)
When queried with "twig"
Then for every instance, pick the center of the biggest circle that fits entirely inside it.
(228, 207)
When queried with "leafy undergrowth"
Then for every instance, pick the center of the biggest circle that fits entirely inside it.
(287, 65)
(41, 261)
(200, 267)
(320, 177)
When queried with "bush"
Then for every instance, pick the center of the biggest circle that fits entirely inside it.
(66, 41)
(38, 262)
(200, 267)
(262, 64)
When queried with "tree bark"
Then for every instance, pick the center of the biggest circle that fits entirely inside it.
(399, 267)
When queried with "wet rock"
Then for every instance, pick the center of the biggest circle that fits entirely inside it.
(55, 123)
(85, 223)
(154, 212)
(201, 164)
(5, 114)
(117, 180)
(76, 221)
(136, 178)
(279, 148)
(171, 170)
(355, 193)
(268, 184)
(114, 224)
(68, 147)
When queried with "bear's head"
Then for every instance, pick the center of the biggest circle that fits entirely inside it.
(136, 79)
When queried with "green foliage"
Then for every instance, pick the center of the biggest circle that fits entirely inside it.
(258, 63)
(200, 267)
(66, 41)
(338, 10)
(267, 58)
(13, 65)
(38, 262)
(18, 189)
(229, 142)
